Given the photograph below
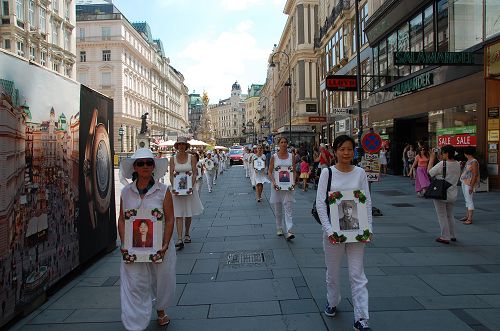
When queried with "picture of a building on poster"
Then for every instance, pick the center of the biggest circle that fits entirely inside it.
(39, 132)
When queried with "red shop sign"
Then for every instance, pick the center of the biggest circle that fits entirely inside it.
(459, 140)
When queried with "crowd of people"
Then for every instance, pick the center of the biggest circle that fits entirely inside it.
(328, 168)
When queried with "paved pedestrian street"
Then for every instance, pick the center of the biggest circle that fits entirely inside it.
(238, 275)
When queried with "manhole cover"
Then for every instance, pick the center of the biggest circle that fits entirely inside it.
(248, 258)
(392, 193)
(403, 205)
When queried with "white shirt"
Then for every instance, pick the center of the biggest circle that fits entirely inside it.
(341, 181)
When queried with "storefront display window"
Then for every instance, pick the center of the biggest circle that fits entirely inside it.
(467, 19)
(404, 45)
(416, 37)
(443, 29)
(382, 57)
(392, 71)
(447, 125)
(429, 29)
(492, 19)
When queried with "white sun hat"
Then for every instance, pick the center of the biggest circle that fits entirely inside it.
(127, 165)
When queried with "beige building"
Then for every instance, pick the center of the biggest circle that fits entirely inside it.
(293, 77)
(41, 31)
(253, 116)
(228, 118)
(122, 60)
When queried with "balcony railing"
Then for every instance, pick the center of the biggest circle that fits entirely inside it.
(98, 17)
(330, 20)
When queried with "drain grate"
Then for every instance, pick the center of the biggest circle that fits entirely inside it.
(248, 258)
(403, 204)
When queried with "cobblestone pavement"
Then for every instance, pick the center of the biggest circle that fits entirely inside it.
(238, 275)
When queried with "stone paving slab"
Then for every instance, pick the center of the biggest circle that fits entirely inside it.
(244, 309)
(464, 284)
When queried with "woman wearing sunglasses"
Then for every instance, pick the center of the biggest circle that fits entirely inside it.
(140, 283)
(185, 206)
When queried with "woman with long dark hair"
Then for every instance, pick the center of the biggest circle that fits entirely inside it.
(419, 167)
(345, 177)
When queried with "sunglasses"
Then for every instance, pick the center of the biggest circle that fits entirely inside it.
(148, 163)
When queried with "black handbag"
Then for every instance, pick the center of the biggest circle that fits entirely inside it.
(314, 211)
(438, 187)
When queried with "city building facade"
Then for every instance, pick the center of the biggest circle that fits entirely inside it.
(252, 114)
(429, 62)
(228, 118)
(293, 81)
(41, 31)
(122, 61)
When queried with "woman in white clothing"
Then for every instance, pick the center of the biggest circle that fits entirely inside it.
(245, 161)
(444, 208)
(185, 206)
(345, 177)
(209, 166)
(282, 199)
(141, 282)
(251, 170)
(259, 169)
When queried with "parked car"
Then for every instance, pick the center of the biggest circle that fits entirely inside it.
(236, 155)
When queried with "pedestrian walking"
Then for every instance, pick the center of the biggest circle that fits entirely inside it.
(200, 170)
(419, 167)
(304, 172)
(444, 208)
(259, 168)
(246, 151)
(140, 283)
(325, 157)
(185, 206)
(470, 182)
(382, 157)
(345, 177)
(282, 199)
(410, 159)
(251, 170)
(209, 167)
(406, 168)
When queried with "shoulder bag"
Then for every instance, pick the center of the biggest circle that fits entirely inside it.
(438, 187)
(314, 211)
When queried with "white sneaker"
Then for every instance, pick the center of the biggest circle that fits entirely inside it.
(279, 232)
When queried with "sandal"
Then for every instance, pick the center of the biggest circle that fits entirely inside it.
(179, 244)
(463, 219)
(163, 321)
(442, 241)
(187, 239)
(468, 222)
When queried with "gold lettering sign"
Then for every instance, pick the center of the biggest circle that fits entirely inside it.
(493, 123)
(492, 62)
(493, 135)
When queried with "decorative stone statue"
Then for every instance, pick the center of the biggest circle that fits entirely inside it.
(144, 124)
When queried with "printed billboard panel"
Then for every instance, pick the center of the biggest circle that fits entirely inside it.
(97, 225)
(39, 127)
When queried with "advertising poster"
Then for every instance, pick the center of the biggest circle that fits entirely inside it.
(39, 173)
(96, 225)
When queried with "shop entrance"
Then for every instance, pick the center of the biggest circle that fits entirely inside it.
(407, 130)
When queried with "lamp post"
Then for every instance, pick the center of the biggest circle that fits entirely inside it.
(289, 84)
(121, 131)
(358, 81)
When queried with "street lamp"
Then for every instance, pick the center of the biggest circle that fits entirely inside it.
(289, 84)
(121, 131)
(358, 80)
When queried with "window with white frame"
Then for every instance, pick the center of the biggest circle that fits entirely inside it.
(55, 65)
(31, 13)
(20, 48)
(82, 77)
(43, 20)
(67, 7)
(20, 10)
(68, 69)
(55, 33)
(105, 79)
(6, 43)
(81, 32)
(67, 42)
(106, 33)
(83, 56)
(55, 5)
(32, 53)
(106, 55)
(43, 58)
(5, 8)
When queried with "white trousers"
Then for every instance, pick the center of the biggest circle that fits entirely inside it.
(210, 175)
(444, 211)
(245, 165)
(287, 207)
(140, 284)
(469, 202)
(357, 278)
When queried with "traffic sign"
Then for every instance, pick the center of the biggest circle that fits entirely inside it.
(371, 142)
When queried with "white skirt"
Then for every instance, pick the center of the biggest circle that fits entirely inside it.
(187, 205)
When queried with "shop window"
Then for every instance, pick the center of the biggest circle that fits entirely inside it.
(443, 28)
(382, 61)
(416, 37)
(454, 118)
(492, 21)
(404, 45)
(467, 20)
(376, 73)
(392, 70)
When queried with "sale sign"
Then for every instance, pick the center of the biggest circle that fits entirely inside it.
(459, 140)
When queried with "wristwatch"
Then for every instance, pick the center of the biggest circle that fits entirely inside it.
(97, 169)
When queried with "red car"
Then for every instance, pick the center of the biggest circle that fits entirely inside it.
(236, 155)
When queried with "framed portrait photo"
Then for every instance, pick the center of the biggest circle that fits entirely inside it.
(259, 164)
(209, 164)
(349, 216)
(143, 233)
(183, 184)
(283, 177)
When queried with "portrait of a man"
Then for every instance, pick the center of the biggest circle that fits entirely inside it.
(284, 176)
(348, 221)
(143, 233)
(183, 183)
